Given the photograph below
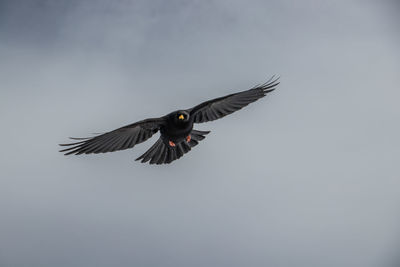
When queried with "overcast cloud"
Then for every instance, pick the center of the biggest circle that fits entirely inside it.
(308, 176)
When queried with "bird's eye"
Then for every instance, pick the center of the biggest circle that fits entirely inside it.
(181, 117)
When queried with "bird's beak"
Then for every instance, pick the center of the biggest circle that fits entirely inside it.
(181, 117)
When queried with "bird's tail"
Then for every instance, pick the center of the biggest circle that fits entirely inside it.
(162, 153)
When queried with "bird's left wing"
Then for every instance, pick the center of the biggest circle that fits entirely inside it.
(119, 139)
(222, 106)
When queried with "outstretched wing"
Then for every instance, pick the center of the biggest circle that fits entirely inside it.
(219, 107)
(119, 139)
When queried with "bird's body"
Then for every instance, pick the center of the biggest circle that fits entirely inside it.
(176, 130)
(177, 135)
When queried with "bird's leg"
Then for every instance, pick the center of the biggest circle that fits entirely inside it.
(188, 138)
(171, 143)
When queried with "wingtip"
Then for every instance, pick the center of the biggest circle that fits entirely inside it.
(72, 144)
(79, 138)
(271, 84)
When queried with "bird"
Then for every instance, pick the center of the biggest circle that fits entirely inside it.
(177, 136)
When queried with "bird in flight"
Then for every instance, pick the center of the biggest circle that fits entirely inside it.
(177, 135)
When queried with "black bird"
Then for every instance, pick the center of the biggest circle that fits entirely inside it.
(177, 133)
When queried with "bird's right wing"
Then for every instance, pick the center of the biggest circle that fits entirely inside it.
(119, 139)
(222, 106)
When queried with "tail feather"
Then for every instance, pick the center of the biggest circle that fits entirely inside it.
(157, 156)
(162, 153)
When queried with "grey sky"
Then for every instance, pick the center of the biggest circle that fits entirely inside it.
(308, 176)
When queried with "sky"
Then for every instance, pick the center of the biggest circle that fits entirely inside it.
(308, 176)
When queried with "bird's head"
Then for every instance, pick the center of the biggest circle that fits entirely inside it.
(182, 116)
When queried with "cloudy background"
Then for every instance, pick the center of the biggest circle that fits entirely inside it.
(308, 176)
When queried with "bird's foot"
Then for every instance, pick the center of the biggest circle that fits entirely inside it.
(172, 143)
(188, 138)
